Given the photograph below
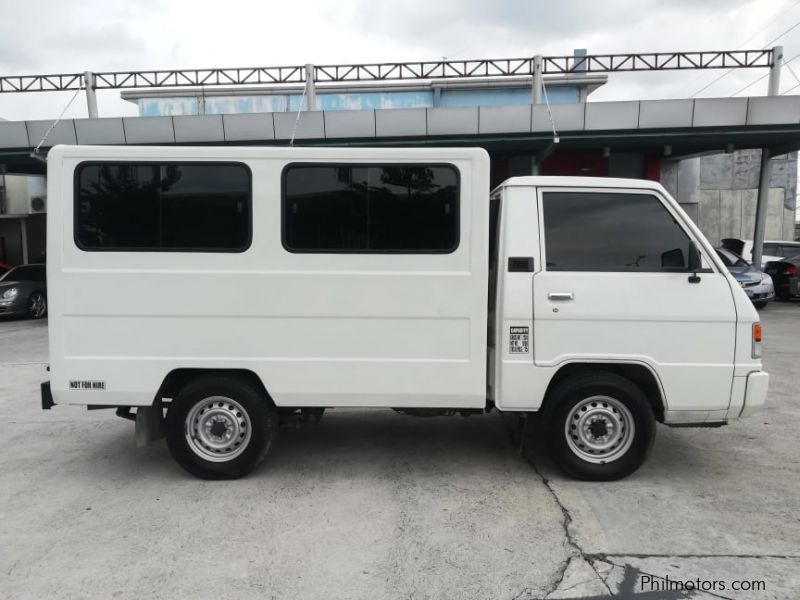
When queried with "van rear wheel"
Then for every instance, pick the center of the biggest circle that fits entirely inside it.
(220, 427)
(600, 427)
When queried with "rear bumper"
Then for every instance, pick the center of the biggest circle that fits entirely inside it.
(790, 287)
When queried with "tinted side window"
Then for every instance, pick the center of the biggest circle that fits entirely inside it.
(370, 208)
(162, 207)
(588, 231)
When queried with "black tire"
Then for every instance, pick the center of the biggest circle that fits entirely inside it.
(240, 408)
(760, 304)
(36, 306)
(579, 392)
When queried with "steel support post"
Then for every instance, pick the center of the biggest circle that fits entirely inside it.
(23, 234)
(761, 207)
(537, 80)
(91, 94)
(766, 165)
(311, 89)
(775, 71)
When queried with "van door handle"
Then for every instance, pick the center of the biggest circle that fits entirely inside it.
(561, 296)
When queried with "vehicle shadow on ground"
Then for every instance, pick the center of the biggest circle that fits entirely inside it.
(348, 442)
(675, 453)
(354, 444)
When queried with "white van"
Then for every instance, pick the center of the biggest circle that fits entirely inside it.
(216, 291)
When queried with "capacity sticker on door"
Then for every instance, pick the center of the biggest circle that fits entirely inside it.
(518, 340)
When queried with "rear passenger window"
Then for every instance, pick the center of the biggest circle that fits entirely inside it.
(593, 231)
(147, 207)
(411, 208)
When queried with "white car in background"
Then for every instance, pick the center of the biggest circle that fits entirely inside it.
(772, 250)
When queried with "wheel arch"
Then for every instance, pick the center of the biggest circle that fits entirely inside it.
(177, 379)
(641, 374)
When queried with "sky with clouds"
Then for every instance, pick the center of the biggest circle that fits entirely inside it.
(53, 36)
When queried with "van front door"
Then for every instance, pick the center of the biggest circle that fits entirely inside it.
(615, 287)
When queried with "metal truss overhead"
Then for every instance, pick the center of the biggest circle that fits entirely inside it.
(399, 71)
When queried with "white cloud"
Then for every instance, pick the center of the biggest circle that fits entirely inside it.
(51, 36)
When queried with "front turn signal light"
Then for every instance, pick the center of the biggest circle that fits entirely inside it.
(757, 333)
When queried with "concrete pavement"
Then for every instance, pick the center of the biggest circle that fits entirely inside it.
(374, 505)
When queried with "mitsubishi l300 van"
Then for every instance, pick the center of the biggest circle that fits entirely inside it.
(209, 293)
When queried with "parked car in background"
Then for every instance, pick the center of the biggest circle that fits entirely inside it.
(786, 277)
(756, 284)
(23, 292)
(772, 250)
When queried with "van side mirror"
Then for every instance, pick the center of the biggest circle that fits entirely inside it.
(695, 262)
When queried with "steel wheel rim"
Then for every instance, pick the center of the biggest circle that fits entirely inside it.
(217, 429)
(599, 429)
(36, 306)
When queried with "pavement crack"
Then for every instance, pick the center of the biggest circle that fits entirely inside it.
(559, 578)
(566, 521)
(523, 595)
(605, 556)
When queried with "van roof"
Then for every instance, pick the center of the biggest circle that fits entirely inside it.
(346, 153)
(574, 181)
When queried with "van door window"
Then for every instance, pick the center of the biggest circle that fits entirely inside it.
(607, 231)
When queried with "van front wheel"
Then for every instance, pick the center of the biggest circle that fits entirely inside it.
(219, 427)
(601, 426)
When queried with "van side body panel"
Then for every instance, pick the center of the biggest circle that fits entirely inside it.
(398, 330)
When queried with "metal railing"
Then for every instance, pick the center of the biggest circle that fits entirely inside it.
(395, 71)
